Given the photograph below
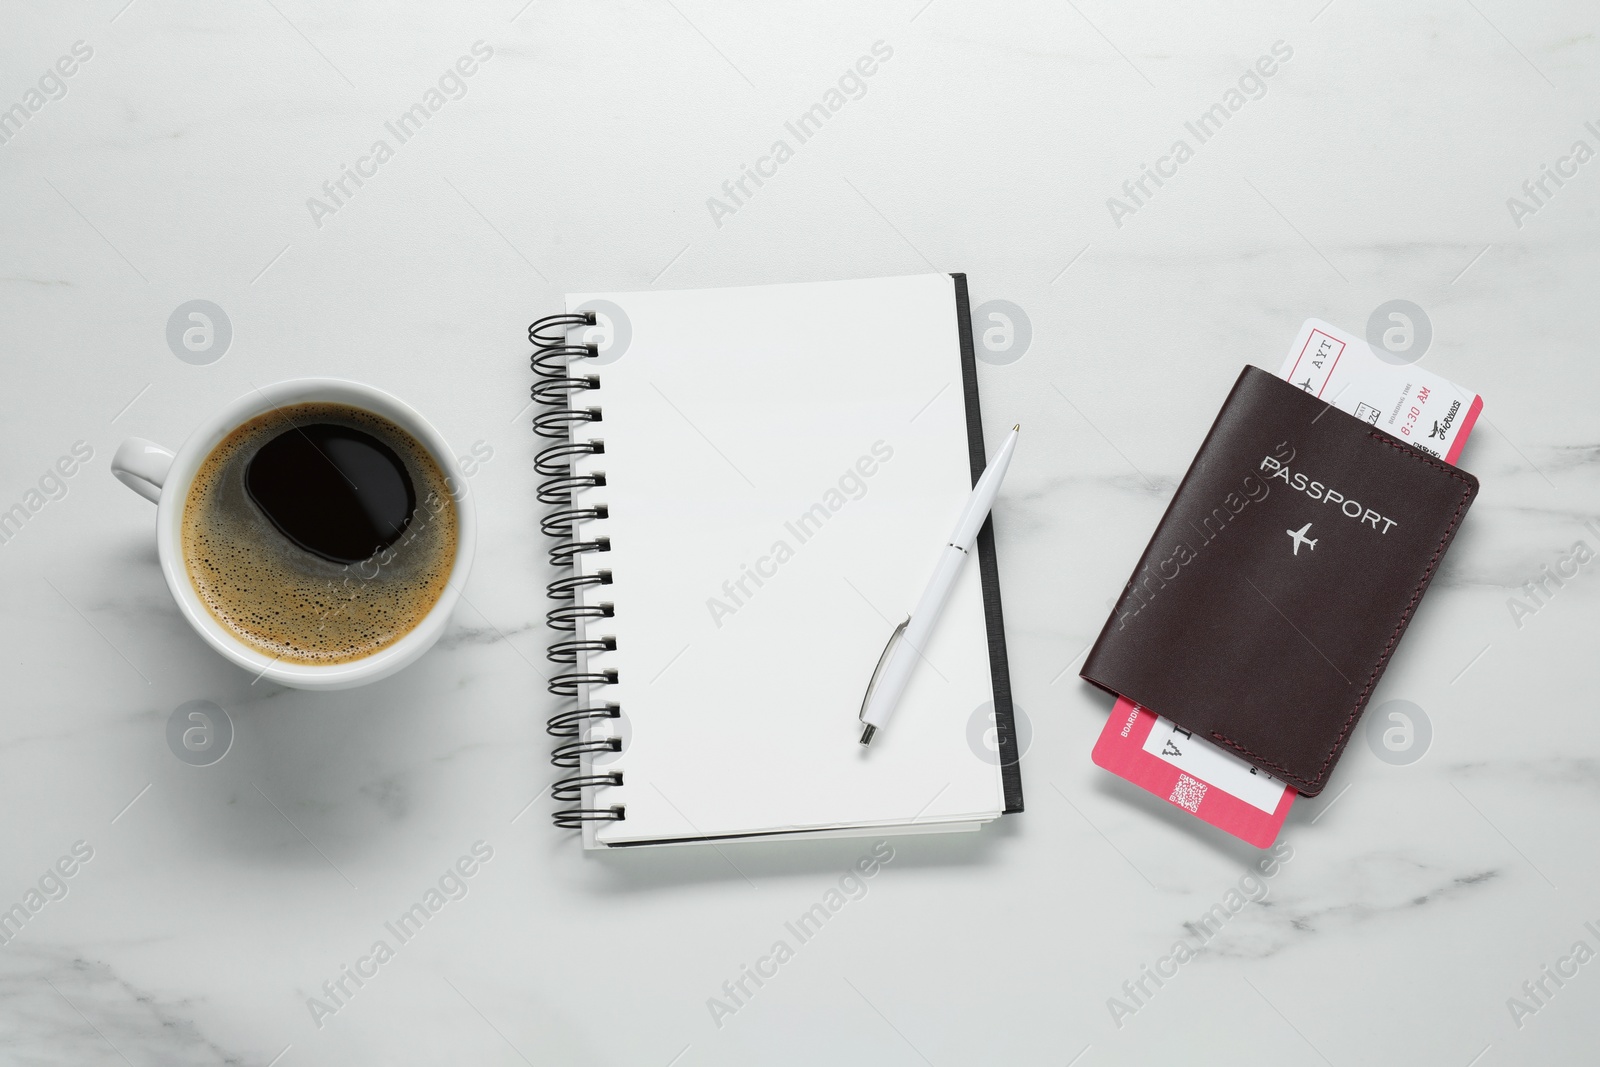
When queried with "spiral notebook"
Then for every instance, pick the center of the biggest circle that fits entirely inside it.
(747, 490)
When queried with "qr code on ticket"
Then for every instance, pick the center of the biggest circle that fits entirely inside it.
(1188, 793)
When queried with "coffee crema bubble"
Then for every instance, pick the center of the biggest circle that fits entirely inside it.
(319, 533)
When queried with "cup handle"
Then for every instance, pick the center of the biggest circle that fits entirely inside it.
(142, 466)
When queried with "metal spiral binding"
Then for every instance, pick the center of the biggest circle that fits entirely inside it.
(554, 390)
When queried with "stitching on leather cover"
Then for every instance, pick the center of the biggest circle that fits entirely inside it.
(1394, 637)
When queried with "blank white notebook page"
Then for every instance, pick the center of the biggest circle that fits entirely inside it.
(783, 466)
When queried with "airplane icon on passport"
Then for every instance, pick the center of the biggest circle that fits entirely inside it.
(1300, 538)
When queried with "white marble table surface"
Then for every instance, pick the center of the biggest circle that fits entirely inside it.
(176, 163)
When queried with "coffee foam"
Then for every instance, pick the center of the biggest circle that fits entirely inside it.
(287, 603)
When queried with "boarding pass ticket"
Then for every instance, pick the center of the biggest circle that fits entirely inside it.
(1413, 404)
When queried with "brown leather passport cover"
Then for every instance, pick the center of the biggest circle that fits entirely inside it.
(1255, 630)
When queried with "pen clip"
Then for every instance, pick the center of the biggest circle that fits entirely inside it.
(872, 682)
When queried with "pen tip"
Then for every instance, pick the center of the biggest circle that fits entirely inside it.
(1016, 428)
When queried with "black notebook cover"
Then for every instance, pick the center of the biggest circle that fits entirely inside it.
(1280, 580)
(989, 568)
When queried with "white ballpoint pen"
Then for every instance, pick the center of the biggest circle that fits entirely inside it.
(893, 674)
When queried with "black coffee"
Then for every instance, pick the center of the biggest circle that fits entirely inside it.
(336, 491)
(319, 533)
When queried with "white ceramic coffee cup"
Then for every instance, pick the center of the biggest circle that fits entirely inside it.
(164, 476)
